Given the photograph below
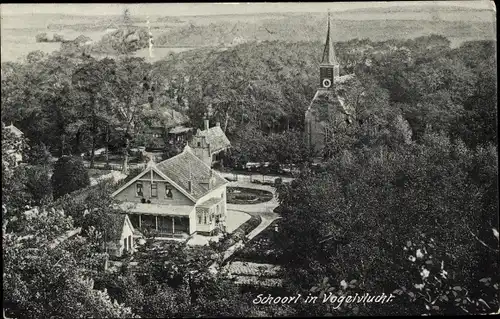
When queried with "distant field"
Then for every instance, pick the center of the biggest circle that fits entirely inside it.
(183, 33)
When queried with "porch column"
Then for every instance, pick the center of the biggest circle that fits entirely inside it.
(156, 222)
(173, 225)
(139, 221)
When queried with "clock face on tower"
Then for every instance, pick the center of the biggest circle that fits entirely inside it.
(326, 77)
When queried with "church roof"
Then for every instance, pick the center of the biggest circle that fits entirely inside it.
(186, 167)
(327, 103)
(216, 138)
(329, 56)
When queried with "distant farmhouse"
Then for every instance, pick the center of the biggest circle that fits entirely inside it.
(210, 144)
(176, 198)
(80, 45)
(18, 133)
(171, 129)
(328, 112)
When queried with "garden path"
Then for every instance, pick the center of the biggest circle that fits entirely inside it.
(264, 210)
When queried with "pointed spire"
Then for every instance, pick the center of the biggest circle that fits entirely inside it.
(328, 53)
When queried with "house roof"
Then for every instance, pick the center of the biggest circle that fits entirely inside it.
(117, 223)
(81, 39)
(170, 118)
(181, 169)
(15, 130)
(157, 209)
(187, 166)
(211, 202)
(215, 138)
(179, 129)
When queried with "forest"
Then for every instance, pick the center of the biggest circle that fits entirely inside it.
(406, 201)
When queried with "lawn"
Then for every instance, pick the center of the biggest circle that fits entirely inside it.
(95, 173)
(242, 195)
(263, 248)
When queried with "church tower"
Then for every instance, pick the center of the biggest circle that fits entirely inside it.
(329, 68)
(327, 115)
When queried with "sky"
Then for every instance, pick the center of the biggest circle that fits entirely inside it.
(183, 9)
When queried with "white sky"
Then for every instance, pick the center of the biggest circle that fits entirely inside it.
(182, 9)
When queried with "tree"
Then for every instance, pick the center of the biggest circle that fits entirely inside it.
(366, 203)
(39, 155)
(14, 195)
(94, 82)
(130, 97)
(48, 270)
(38, 184)
(69, 175)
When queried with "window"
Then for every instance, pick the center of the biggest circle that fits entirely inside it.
(199, 144)
(138, 188)
(205, 218)
(125, 244)
(154, 190)
(168, 192)
(199, 218)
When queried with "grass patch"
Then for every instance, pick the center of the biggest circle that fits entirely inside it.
(238, 234)
(242, 195)
(263, 248)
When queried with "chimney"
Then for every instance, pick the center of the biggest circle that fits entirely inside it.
(206, 124)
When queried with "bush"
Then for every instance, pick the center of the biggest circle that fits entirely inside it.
(39, 155)
(69, 175)
(38, 184)
(247, 197)
(278, 181)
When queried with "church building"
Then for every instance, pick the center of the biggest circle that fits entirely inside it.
(328, 113)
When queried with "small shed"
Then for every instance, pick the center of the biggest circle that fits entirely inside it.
(120, 236)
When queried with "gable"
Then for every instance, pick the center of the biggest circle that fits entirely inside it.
(127, 224)
(128, 192)
(157, 176)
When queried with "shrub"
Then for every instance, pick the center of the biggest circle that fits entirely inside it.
(38, 184)
(69, 175)
(278, 181)
(39, 155)
(246, 197)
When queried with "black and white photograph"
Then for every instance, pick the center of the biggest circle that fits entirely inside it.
(253, 159)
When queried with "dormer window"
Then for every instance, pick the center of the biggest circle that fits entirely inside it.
(189, 186)
(138, 190)
(154, 190)
(168, 192)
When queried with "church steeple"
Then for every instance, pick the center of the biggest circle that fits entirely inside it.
(329, 67)
(329, 57)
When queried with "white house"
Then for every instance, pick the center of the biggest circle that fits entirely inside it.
(176, 198)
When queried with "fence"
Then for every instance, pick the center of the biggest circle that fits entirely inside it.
(254, 178)
(114, 166)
